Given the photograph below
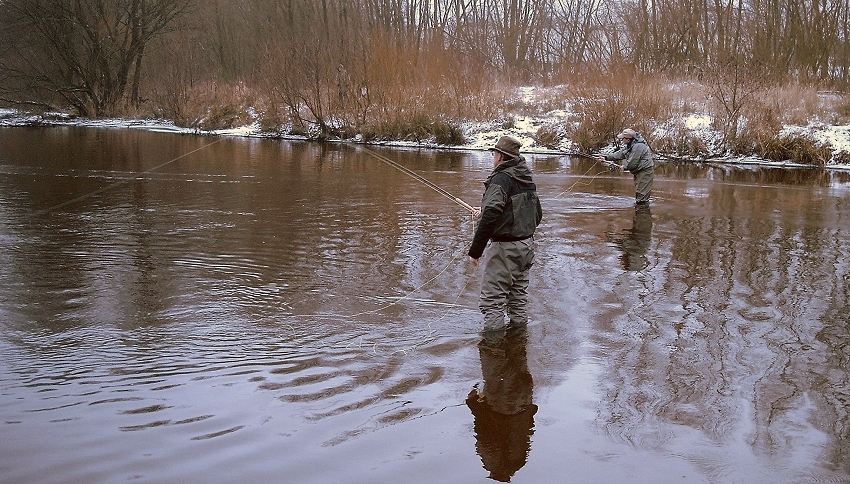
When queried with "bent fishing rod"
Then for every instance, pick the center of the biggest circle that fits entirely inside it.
(421, 179)
(578, 154)
(468, 207)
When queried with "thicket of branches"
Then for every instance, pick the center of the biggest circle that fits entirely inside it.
(374, 65)
(84, 54)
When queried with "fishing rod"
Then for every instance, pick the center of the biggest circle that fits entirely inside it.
(578, 154)
(422, 179)
(457, 200)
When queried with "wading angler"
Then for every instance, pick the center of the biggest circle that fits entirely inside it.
(637, 159)
(510, 212)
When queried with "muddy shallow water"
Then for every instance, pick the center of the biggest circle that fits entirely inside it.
(272, 311)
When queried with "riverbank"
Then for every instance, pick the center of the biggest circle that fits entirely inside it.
(546, 124)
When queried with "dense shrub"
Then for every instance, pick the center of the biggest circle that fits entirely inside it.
(420, 127)
(206, 106)
(223, 116)
(680, 141)
(614, 102)
(548, 136)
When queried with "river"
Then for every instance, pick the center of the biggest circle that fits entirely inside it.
(176, 308)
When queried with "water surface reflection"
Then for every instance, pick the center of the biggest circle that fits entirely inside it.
(634, 242)
(264, 308)
(502, 406)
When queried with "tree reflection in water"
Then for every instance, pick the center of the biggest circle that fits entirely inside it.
(502, 408)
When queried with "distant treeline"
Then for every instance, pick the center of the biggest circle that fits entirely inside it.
(343, 63)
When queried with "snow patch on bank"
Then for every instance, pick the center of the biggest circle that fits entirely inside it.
(698, 121)
(249, 130)
(836, 137)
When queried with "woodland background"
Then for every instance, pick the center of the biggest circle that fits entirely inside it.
(414, 69)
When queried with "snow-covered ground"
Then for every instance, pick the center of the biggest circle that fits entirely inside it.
(525, 125)
(837, 137)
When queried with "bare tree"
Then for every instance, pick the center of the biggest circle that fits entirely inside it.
(81, 52)
(734, 83)
(351, 60)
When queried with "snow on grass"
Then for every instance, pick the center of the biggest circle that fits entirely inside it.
(527, 94)
(698, 121)
(836, 137)
(249, 130)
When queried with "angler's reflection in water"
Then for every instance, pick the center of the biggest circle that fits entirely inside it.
(501, 407)
(635, 242)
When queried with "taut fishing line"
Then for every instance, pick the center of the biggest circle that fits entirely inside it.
(588, 182)
(122, 182)
(422, 179)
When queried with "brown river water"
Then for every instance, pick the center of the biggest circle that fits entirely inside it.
(274, 311)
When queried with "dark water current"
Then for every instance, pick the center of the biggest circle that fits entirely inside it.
(234, 316)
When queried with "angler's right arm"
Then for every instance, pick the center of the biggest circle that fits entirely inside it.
(493, 205)
(618, 155)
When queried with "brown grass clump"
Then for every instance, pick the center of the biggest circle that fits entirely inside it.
(681, 141)
(447, 133)
(224, 116)
(761, 137)
(797, 148)
(797, 104)
(207, 106)
(762, 127)
(420, 127)
(610, 103)
(549, 136)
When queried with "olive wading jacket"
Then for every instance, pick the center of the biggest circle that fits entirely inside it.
(637, 154)
(510, 209)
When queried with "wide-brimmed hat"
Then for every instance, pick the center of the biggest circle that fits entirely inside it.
(627, 133)
(507, 145)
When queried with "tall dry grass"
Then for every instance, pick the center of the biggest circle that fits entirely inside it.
(837, 106)
(794, 103)
(607, 103)
(396, 91)
(762, 136)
